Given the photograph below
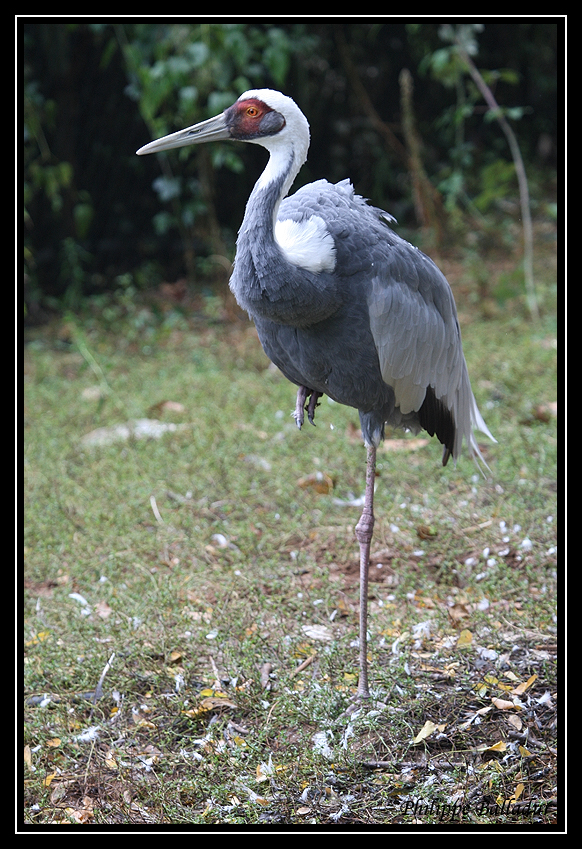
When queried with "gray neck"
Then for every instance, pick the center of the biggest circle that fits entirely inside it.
(257, 232)
(264, 282)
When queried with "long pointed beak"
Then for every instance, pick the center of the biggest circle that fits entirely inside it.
(214, 129)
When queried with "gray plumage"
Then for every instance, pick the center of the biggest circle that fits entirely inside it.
(342, 305)
(378, 333)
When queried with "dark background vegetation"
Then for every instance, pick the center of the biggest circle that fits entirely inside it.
(100, 221)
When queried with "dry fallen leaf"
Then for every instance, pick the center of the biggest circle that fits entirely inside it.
(166, 406)
(541, 413)
(215, 702)
(465, 639)
(458, 611)
(511, 675)
(110, 761)
(266, 670)
(521, 688)
(517, 792)
(544, 412)
(141, 722)
(502, 704)
(212, 700)
(81, 815)
(319, 482)
(501, 746)
(427, 729)
(103, 610)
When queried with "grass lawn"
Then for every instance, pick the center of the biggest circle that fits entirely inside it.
(190, 602)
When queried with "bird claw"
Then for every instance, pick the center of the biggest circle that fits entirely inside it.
(303, 393)
(297, 414)
(313, 403)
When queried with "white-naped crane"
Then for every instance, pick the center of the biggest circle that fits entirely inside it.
(343, 306)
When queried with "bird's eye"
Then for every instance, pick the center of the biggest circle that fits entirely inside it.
(252, 111)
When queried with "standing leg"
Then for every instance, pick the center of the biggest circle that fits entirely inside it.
(364, 530)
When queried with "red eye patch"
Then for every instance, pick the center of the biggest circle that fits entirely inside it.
(249, 119)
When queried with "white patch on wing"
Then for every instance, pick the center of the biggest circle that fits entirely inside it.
(307, 244)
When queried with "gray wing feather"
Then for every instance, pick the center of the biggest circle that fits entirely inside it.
(413, 318)
(418, 340)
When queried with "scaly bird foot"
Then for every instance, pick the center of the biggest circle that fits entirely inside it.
(297, 414)
(303, 393)
(313, 403)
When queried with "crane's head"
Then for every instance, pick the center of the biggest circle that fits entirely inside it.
(262, 116)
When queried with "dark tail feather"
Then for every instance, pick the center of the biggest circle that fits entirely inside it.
(437, 419)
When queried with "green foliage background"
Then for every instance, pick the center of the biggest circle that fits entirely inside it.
(98, 219)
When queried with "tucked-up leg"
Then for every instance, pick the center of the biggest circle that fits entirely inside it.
(303, 394)
(298, 415)
(315, 396)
